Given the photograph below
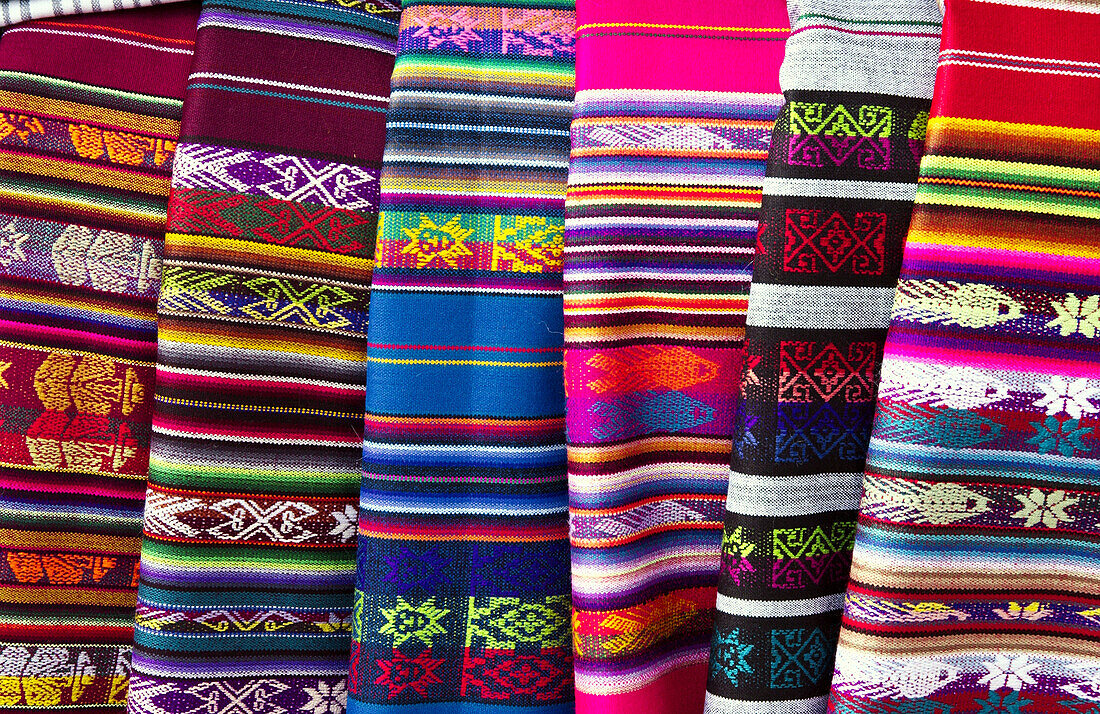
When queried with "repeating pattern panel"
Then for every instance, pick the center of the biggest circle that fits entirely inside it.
(462, 600)
(249, 555)
(664, 192)
(974, 581)
(85, 157)
(838, 196)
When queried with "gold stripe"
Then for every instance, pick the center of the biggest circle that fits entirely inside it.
(1003, 128)
(67, 595)
(84, 113)
(93, 174)
(287, 254)
(13, 538)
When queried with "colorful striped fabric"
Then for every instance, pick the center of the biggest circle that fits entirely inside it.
(841, 177)
(975, 580)
(462, 601)
(13, 11)
(664, 190)
(86, 147)
(248, 562)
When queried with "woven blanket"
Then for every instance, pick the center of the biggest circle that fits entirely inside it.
(841, 177)
(89, 118)
(975, 580)
(13, 11)
(664, 189)
(462, 600)
(249, 556)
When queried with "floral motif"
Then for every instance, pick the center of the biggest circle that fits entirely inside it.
(731, 655)
(1005, 701)
(405, 621)
(1011, 672)
(531, 622)
(1015, 611)
(1089, 686)
(1073, 398)
(1063, 436)
(409, 570)
(347, 523)
(401, 673)
(1077, 316)
(735, 553)
(1050, 508)
(326, 698)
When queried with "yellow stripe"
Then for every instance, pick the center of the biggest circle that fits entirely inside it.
(82, 353)
(1034, 205)
(663, 26)
(946, 124)
(132, 313)
(13, 538)
(288, 254)
(464, 362)
(67, 595)
(153, 219)
(85, 173)
(85, 113)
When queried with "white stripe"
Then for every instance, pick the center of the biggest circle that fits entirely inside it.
(753, 495)
(452, 508)
(671, 274)
(998, 55)
(612, 221)
(829, 188)
(1032, 70)
(780, 608)
(720, 705)
(255, 439)
(286, 85)
(659, 310)
(243, 23)
(444, 158)
(257, 377)
(446, 448)
(661, 175)
(480, 98)
(91, 36)
(822, 307)
(471, 127)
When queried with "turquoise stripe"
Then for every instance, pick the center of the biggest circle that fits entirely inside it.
(315, 10)
(281, 95)
(211, 641)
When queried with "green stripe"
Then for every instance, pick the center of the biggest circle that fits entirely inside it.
(191, 600)
(90, 94)
(1008, 200)
(283, 558)
(258, 481)
(560, 67)
(966, 168)
(43, 519)
(210, 640)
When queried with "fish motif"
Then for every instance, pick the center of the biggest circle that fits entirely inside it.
(952, 303)
(913, 502)
(649, 412)
(642, 368)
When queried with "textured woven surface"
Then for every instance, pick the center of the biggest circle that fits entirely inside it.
(664, 191)
(86, 147)
(842, 171)
(463, 586)
(975, 580)
(13, 11)
(249, 556)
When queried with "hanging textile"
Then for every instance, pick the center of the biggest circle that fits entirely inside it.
(13, 11)
(86, 146)
(462, 600)
(975, 581)
(248, 562)
(841, 177)
(664, 191)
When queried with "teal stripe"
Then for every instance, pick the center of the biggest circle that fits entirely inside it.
(211, 641)
(282, 95)
(196, 601)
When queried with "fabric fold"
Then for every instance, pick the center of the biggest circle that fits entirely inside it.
(675, 105)
(975, 579)
(86, 149)
(841, 177)
(248, 562)
(462, 596)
